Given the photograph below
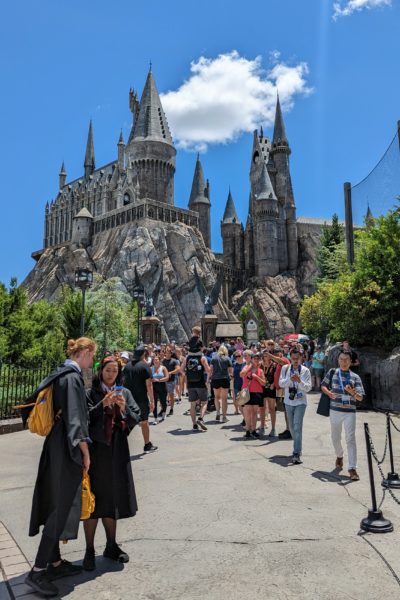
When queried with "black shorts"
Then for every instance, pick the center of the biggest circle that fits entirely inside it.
(144, 410)
(221, 383)
(256, 399)
(268, 393)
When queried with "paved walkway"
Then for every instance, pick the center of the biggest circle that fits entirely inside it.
(222, 518)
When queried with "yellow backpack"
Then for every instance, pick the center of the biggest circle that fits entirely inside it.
(41, 418)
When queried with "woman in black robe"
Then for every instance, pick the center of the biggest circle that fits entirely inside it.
(57, 497)
(112, 416)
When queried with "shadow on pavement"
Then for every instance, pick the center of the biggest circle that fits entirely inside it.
(184, 431)
(66, 585)
(138, 456)
(283, 461)
(331, 477)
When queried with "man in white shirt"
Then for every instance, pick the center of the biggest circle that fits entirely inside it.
(295, 379)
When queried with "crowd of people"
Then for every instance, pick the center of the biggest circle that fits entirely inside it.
(91, 426)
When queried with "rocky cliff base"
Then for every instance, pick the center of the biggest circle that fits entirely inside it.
(170, 251)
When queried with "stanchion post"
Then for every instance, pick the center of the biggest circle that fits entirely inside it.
(375, 521)
(392, 480)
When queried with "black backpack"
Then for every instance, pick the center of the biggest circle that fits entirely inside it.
(194, 368)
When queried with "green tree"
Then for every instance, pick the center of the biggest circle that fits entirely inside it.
(70, 309)
(331, 257)
(362, 305)
(114, 314)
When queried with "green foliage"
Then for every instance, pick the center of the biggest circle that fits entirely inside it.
(70, 309)
(28, 332)
(362, 305)
(114, 314)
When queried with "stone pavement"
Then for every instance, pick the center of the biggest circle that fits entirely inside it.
(222, 518)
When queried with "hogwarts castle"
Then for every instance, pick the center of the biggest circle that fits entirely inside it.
(133, 197)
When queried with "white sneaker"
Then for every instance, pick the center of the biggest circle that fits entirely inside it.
(225, 419)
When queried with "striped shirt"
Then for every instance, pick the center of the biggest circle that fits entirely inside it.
(343, 401)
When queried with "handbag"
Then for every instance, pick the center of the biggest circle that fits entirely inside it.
(87, 497)
(243, 396)
(324, 404)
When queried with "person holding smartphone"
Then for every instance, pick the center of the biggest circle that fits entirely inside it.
(113, 413)
(345, 391)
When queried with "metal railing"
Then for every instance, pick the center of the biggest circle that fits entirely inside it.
(17, 383)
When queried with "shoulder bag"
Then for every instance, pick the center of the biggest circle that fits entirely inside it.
(324, 403)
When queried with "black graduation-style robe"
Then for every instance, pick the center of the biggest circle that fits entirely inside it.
(110, 463)
(57, 497)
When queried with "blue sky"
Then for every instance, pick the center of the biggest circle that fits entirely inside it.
(65, 62)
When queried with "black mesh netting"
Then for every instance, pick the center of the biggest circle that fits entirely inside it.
(380, 189)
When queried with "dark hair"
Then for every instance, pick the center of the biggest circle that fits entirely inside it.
(97, 379)
(294, 351)
(345, 352)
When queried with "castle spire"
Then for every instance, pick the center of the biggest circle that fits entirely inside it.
(150, 122)
(89, 156)
(230, 214)
(279, 138)
(62, 176)
(198, 192)
(121, 151)
(369, 218)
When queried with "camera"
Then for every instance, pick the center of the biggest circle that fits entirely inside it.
(292, 393)
(249, 376)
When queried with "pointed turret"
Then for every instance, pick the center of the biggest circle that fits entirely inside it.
(62, 176)
(369, 218)
(266, 191)
(230, 214)
(150, 152)
(121, 151)
(199, 188)
(200, 201)
(150, 122)
(89, 156)
(279, 138)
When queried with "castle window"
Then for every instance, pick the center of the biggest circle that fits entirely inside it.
(127, 199)
(151, 213)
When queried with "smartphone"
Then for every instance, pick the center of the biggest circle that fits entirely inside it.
(117, 390)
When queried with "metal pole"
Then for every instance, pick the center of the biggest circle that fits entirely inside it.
(137, 324)
(83, 312)
(375, 521)
(349, 223)
(392, 480)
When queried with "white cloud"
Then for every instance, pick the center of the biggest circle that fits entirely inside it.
(344, 8)
(229, 95)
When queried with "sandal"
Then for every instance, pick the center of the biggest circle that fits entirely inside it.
(354, 475)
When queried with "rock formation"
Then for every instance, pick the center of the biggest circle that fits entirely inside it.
(116, 252)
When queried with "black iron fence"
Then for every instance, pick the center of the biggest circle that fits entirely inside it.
(17, 383)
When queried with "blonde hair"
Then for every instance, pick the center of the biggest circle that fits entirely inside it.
(83, 343)
(196, 329)
(223, 351)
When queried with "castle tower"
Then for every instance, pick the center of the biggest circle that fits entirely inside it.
(82, 225)
(280, 153)
(150, 151)
(62, 177)
(200, 202)
(89, 156)
(232, 236)
(266, 215)
(259, 157)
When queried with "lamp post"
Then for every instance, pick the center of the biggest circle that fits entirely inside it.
(139, 295)
(83, 280)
